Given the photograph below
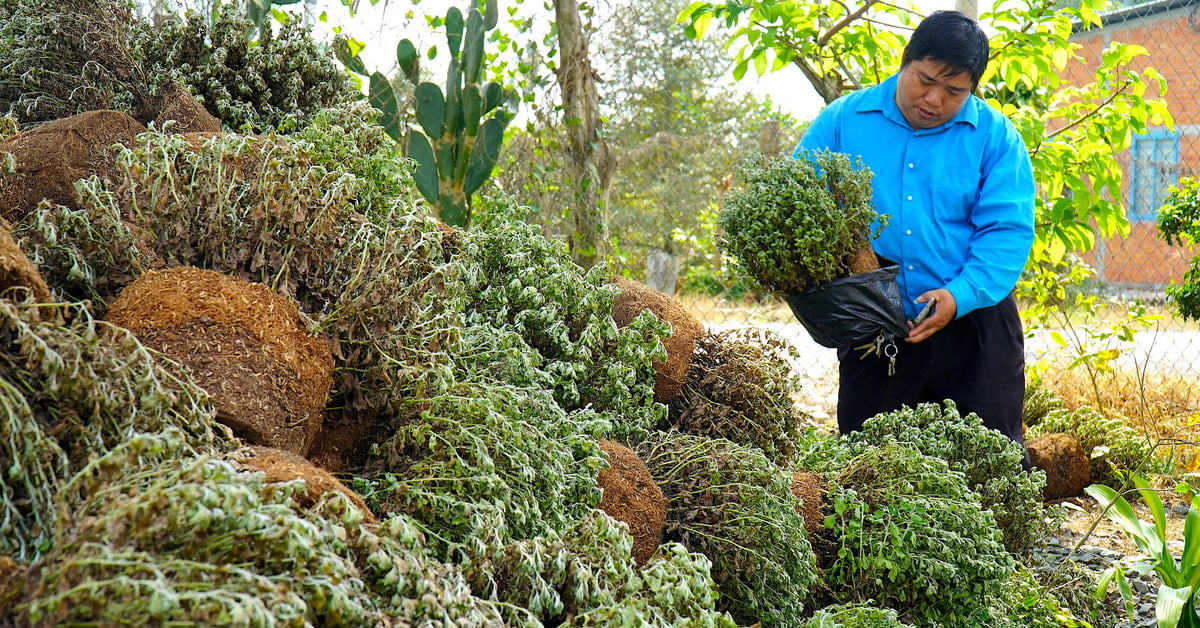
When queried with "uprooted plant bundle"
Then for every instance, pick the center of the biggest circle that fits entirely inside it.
(741, 386)
(481, 370)
(794, 223)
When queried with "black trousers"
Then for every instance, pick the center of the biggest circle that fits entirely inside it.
(977, 361)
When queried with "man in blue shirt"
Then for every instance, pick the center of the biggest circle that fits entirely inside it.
(954, 177)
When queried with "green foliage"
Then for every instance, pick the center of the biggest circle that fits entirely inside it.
(1179, 223)
(832, 48)
(587, 577)
(794, 223)
(63, 57)
(154, 532)
(1180, 576)
(741, 387)
(908, 532)
(555, 321)
(1075, 320)
(70, 390)
(989, 460)
(1039, 401)
(854, 616)
(348, 138)
(1112, 444)
(276, 82)
(1058, 595)
(730, 503)
(483, 465)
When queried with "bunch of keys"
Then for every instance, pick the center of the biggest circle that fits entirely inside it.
(883, 346)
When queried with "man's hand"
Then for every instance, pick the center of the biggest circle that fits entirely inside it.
(944, 309)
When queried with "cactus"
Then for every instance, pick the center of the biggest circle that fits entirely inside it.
(460, 126)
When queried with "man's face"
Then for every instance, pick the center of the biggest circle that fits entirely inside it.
(929, 98)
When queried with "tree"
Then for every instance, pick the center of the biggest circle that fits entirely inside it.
(675, 128)
(589, 159)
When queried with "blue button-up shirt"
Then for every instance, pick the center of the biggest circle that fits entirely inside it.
(959, 196)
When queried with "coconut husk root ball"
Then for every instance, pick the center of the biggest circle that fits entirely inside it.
(810, 489)
(173, 103)
(631, 496)
(636, 298)
(243, 343)
(284, 466)
(49, 159)
(17, 272)
(1068, 470)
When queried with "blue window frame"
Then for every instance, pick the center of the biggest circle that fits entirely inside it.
(1154, 168)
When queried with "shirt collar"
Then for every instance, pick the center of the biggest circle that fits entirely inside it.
(882, 98)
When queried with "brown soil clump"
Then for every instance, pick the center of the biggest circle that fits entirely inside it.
(1068, 470)
(50, 158)
(174, 102)
(864, 261)
(12, 584)
(16, 271)
(283, 466)
(809, 488)
(341, 443)
(243, 343)
(636, 298)
(631, 496)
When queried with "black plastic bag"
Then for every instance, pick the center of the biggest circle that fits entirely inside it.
(852, 311)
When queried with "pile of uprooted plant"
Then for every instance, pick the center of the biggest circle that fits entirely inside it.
(247, 379)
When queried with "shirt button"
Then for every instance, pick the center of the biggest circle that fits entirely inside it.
(910, 198)
(910, 165)
(910, 266)
(908, 232)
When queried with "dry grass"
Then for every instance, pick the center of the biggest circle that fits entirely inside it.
(1163, 406)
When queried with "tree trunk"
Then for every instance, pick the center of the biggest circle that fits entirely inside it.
(590, 161)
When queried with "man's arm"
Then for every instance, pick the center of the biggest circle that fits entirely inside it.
(1003, 221)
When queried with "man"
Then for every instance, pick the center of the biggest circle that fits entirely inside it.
(954, 176)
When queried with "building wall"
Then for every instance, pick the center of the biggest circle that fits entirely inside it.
(1172, 38)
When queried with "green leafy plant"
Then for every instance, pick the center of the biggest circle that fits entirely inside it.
(276, 82)
(555, 324)
(586, 576)
(320, 217)
(989, 460)
(854, 615)
(907, 531)
(1039, 400)
(483, 465)
(154, 530)
(1112, 444)
(741, 387)
(72, 388)
(1076, 320)
(732, 504)
(1179, 224)
(1177, 597)
(794, 223)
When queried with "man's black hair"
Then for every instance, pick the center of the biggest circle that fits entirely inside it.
(953, 39)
